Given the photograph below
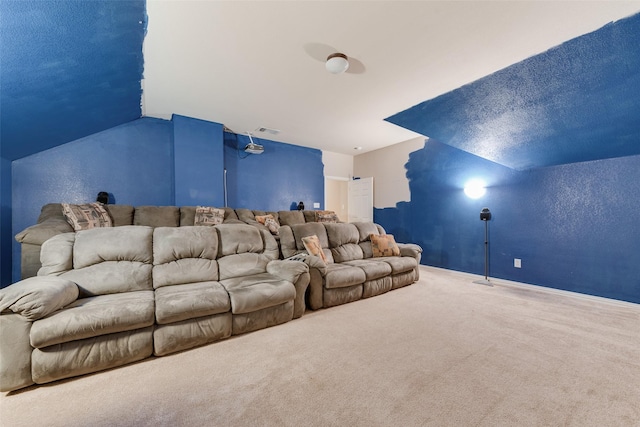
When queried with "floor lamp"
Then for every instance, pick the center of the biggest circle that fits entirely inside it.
(485, 216)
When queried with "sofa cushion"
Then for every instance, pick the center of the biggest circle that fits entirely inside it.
(112, 260)
(245, 215)
(207, 215)
(120, 214)
(343, 241)
(291, 217)
(184, 255)
(127, 243)
(37, 297)
(343, 275)
(400, 264)
(95, 316)
(56, 254)
(372, 269)
(191, 300)
(188, 215)
(254, 292)
(313, 247)
(309, 216)
(157, 216)
(86, 216)
(384, 245)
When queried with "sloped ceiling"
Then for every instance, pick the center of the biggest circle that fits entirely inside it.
(72, 68)
(577, 102)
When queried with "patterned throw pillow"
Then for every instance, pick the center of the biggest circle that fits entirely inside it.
(326, 216)
(312, 245)
(384, 245)
(270, 222)
(86, 216)
(206, 215)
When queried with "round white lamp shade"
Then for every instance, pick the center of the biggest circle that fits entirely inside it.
(475, 188)
(337, 63)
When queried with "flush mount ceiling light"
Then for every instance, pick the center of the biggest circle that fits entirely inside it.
(337, 63)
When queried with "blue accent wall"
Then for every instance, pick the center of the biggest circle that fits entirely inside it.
(5, 222)
(133, 162)
(577, 102)
(199, 162)
(69, 69)
(275, 180)
(575, 227)
(158, 162)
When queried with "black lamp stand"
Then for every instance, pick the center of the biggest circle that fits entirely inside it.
(485, 216)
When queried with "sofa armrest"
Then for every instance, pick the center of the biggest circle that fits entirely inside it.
(37, 234)
(297, 272)
(410, 249)
(37, 297)
(286, 269)
(15, 352)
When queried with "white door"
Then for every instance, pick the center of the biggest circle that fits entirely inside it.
(361, 199)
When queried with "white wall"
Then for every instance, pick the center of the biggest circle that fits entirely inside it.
(337, 165)
(387, 167)
(338, 170)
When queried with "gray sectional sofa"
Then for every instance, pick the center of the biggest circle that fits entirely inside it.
(106, 297)
(52, 222)
(351, 271)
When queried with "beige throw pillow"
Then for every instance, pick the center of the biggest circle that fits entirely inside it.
(312, 245)
(384, 245)
(326, 216)
(206, 215)
(86, 216)
(270, 222)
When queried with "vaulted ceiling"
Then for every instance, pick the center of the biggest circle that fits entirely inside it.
(73, 68)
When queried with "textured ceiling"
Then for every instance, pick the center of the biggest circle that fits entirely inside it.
(253, 64)
(73, 68)
(577, 102)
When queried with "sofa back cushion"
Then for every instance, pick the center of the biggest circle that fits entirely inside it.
(343, 241)
(292, 243)
(245, 215)
(157, 216)
(291, 217)
(366, 229)
(184, 255)
(244, 250)
(120, 214)
(188, 213)
(111, 260)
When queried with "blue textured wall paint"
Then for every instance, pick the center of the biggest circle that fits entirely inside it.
(5, 222)
(199, 162)
(159, 162)
(274, 180)
(71, 67)
(133, 162)
(577, 102)
(574, 226)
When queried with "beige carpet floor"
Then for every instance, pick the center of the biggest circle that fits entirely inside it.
(441, 352)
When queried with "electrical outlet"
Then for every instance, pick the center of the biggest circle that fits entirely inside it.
(316, 205)
(517, 263)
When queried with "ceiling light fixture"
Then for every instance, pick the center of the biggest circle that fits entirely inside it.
(337, 63)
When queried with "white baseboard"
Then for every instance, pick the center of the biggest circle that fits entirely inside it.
(538, 288)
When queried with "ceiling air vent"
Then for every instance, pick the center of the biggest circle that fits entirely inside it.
(268, 130)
